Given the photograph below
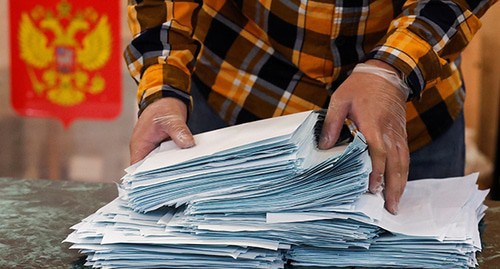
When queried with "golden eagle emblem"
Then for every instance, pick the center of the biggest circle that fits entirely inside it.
(63, 51)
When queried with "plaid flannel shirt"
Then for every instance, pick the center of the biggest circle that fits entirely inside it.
(260, 59)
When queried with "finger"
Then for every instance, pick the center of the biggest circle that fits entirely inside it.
(378, 154)
(334, 119)
(139, 149)
(178, 131)
(404, 155)
(146, 136)
(394, 174)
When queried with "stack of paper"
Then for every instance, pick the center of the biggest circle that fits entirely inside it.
(266, 197)
(436, 227)
(117, 237)
(264, 166)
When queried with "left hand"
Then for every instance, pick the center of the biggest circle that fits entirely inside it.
(377, 107)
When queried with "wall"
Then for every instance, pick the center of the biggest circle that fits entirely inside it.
(481, 68)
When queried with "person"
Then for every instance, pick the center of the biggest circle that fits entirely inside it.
(390, 66)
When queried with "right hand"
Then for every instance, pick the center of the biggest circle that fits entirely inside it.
(162, 120)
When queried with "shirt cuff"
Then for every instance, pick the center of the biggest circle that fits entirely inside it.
(163, 80)
(412, 56)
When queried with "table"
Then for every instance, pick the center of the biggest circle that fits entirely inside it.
(490, 256)
(35, 216)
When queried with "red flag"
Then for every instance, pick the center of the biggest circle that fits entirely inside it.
(65, 59)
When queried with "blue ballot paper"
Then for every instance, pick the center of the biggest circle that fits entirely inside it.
(244, 168)
(266, 197)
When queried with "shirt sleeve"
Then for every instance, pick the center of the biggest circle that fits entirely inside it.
(427, 36)
(162, 54)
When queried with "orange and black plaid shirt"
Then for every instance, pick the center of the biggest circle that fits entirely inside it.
(265, 58)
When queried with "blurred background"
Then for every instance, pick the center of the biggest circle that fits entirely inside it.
(88, 150)
(97, 150)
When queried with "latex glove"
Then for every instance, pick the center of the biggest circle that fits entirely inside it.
(377, 107)
(162, 120)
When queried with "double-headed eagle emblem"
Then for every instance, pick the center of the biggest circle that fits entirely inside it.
(64, 52)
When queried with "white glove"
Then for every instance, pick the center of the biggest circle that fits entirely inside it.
(377, 106)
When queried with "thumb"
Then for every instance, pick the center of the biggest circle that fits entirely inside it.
(334, 120)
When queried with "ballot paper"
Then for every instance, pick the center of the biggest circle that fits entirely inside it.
(266, 197)
(244, 168)
(436, 227)
(117, 237)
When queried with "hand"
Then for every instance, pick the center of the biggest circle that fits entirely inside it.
(162, 120)
(377, 107)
